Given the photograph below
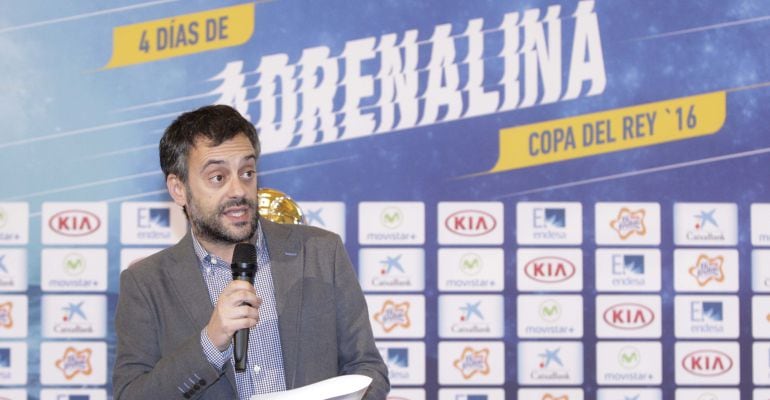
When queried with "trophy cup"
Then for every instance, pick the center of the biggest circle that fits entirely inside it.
(277, 206)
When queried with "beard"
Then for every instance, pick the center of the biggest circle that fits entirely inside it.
(211, 228)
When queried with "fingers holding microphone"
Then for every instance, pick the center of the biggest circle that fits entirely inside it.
(237, 308)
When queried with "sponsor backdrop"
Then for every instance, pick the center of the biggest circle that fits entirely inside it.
(544, 199)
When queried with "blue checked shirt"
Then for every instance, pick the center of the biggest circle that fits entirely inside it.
(264, 370)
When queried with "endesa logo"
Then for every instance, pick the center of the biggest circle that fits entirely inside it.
(707, 363)
(74, 223)
(550, 269)
(629, 316)
(470, 222)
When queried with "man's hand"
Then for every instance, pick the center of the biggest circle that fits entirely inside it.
(231, 314)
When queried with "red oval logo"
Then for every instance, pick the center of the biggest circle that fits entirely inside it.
(629, 316)
(707, 363)
(550, 269)
(74, 222)
(470, 222)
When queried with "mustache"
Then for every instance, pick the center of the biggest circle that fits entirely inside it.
(237, 203)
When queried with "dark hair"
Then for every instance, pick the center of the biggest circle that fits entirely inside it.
(216, 123)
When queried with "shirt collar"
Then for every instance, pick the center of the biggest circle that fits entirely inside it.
(205, 258)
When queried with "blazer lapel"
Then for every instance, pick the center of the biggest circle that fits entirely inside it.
(185, 275)
(286, 266)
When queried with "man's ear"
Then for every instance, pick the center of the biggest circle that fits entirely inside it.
(176, 190)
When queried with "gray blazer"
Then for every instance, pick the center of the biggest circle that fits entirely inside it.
(323, 320)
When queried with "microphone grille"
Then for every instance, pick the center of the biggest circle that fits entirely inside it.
(244, 253)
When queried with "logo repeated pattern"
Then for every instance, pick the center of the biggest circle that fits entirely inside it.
(471, 274)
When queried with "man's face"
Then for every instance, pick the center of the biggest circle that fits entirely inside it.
(221, 190)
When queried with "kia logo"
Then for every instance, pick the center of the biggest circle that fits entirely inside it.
(629, 316)
(470, 222)
(550, 269)
(74, 223)
(707, 363)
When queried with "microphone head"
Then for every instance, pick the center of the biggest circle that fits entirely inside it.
(245, 253)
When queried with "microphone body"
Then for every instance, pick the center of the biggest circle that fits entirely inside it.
(244, 268)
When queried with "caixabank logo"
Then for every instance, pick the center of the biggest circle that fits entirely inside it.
(628, 316)
(74, 270)
(400, 316)
(471, 316)
(470, 223)
(405, 361)
(706, 270)
(707, 363)
(471, 270)
(549, 223)
(705, 224)
(73, 363)
(151, 223)
(471, 363)
(544, 269)
(74, 316)
(391, 269)
(328, 215)
(703, 317)
(550, 363)
(13, 270)
(627, 223)
(628, 270)
(74, 223)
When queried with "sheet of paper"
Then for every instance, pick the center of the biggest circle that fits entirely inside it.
(346, 387)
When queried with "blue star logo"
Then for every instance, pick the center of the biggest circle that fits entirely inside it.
(391, 263)
(315, 216)
(550, 355)
(74, 309)
(707, 218)
(471, 309)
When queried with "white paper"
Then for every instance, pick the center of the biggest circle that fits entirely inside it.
(346, 387)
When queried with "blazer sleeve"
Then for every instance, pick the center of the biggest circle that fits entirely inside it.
(358, 353)
(141, 370)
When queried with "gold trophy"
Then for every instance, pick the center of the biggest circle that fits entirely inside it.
(277, 206)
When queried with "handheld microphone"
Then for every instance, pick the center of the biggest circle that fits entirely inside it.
(244, 268)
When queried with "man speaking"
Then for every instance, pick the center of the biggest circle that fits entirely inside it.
(304, 318)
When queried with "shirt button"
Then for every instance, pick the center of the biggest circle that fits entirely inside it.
(257, 368)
